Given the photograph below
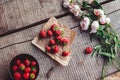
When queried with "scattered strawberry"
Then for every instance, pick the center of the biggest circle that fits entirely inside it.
(49, 33)
(32, 76)
(27, 62)
(33, 63)
(42, 34)
(22, 66)
(64, 54)
(34, 71)
(15, 68)
(18, 61)
(55, 49)
(54, 27)
(26, 75)
(17, 75)
(52, 42)
(27, 70)
(59, 38)
(57, 32)
(65, 41)
(88, 50)
(48, 49)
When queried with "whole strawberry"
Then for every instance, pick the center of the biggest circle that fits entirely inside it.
(18, 61)
(42, 34)
(57, 32)
(32, 76)
(65, 53)
(55, 49)
(15, 67)
(33, 63)
(17, 75)
(49, 33)
(88, 50)
(59, 39)
(26, 75)
(34, 70)
(27, 62)
(27, 70)
(65, 41)
(48, 49)
(52, 42)
(22, 66)
(54, 27)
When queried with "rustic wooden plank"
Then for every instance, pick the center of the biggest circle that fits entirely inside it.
(19, 13)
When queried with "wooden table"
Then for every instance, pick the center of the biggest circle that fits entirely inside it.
(20, 22)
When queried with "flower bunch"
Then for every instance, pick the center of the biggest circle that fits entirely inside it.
(94, 20)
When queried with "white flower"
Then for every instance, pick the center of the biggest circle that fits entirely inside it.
(98, 12)
(84, 24)
(108, 20)
(94, 26)
(103, 20)
(66, 3)
(75, 9)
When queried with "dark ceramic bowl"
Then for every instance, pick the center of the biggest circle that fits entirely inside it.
(23, 57)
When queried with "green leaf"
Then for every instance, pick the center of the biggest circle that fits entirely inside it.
(106, 54)
(96, 5)
(94, 52)
(107, 41)
(97, 47)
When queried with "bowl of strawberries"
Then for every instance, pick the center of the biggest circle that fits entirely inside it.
(24, 67)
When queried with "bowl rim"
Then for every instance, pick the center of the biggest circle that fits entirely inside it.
(18, 56)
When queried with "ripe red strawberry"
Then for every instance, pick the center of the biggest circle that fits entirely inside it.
(32, 76)
(26, 75)
(18, 61)
(65, 41)
(52, 42)
(55, 49)
(27, 62)
(59, 39)
(17, 75)
(15, 68)
(33, 63)
(34, 71)
(22, 66)
(64, 54)
(57, 32)
(49, 33)
(27, 70)
(42, 34)
(88, 50)
(54, 27)
(48, 49)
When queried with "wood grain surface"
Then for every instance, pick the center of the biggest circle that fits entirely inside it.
(27, 12)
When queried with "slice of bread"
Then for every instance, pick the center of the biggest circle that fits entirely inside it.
(114, 76)
(41, 43)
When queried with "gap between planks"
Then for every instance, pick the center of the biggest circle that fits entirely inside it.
(45, 20)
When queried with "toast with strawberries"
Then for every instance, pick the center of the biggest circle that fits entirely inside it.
(55, 39)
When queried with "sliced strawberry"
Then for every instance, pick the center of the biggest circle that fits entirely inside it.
(17, 75)
(55, 49)
(54, 27)
(27, 70)
(49, 33)
(32, 76)
(65, 41)
(27, 62)
(52, 42)
(57, 32)
(18, 61)
(15, 67)
(88, 50)
(42, 34)
(48, 49)
(65, 53)
(22, 66)
(33, 63)
(59, 39)
(26, 75)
